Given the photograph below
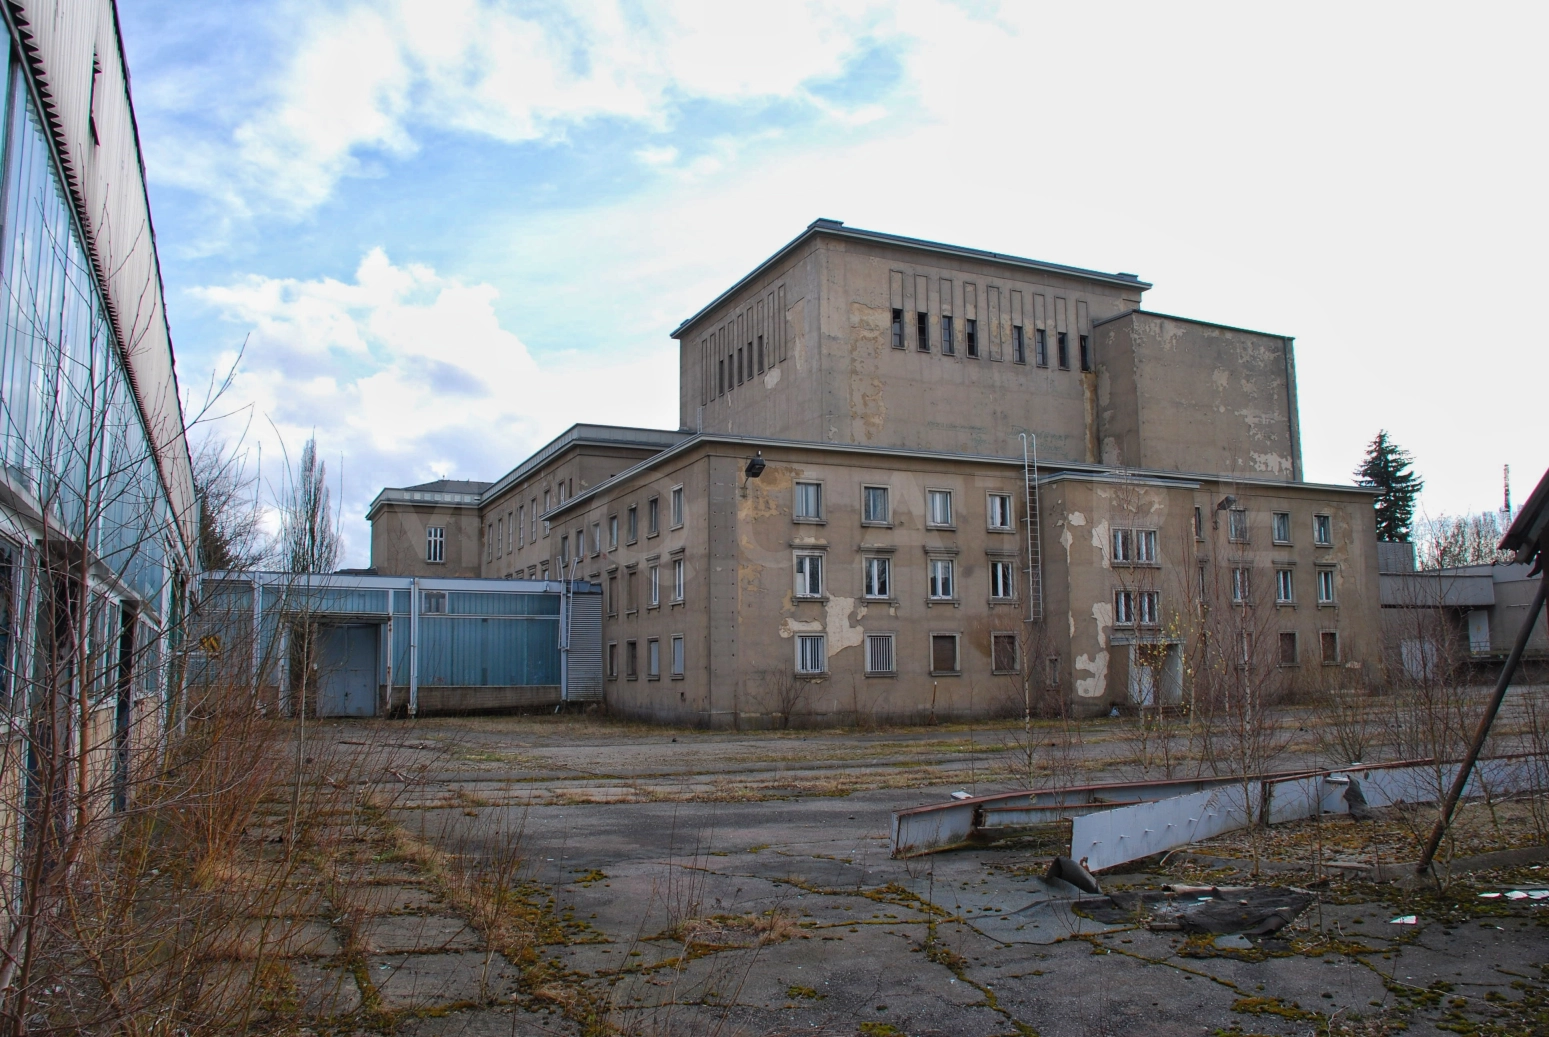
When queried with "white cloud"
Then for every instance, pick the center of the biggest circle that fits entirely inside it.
(409, 376)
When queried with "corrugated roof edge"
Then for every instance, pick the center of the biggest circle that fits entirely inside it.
(1190, 320)
(1057, 470)
(838, 229)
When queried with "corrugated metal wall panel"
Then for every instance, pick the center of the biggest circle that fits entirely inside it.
(492, 652)
(585, 668)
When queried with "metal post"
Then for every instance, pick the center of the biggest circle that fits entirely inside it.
(387, 704)
(414, 647)
(1507, 671)
(258, 598)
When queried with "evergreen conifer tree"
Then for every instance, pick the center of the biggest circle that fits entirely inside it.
(1388, 467)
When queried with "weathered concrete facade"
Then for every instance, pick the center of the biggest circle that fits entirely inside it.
(879, 567)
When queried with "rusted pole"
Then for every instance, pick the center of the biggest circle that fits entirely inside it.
(1456, 792)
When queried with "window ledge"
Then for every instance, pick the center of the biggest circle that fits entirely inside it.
(676, 604)
(814, 598)
(1316, 544)
(653, 608)
(889, 675)
(1328, 604)
(630, 612)
(677, 526)
(999, 529)
(992, 602)
(954, 602)
(1283, 543)
(1285, 604)
(1006, 673)
(656, 678)
(653, 536)
(895, 602)
(809, 521)
(676, 676)
(946, 673)
(944, 529)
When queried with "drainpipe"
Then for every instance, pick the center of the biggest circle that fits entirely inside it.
(414, 647)
(257, 630)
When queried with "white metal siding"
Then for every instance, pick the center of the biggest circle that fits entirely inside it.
(585, 665)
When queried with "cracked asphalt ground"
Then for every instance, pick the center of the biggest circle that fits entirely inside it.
(741, 884)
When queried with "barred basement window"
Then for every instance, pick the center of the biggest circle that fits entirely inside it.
(435, 544)
(879, 653)
(811, 655)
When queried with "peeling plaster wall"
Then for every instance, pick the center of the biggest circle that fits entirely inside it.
(1181, 395)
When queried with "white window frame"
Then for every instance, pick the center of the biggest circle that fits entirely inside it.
(1233, 533)
(1326, 583)
(613, 660)
(1123, 608)
(596, 539)
(521, 526)
(816, 488)
(870, 566)
(435, 544)
(677, 655)
(1003, 579)
(937, 588)
(1285, 587)
(613, 532)
(1148, 608)
(1242, 585)
(1123, 546)
(891, 641)
(653, 515)
(1323, 530)
(811, 648)
(808, 568)
(1145, 547)
(678, 580)
(887, 505)
(999, 502)
(632, 527)
(676, 496)
(653, 659)
(1280, 522)
(932, 519)
(654, 586)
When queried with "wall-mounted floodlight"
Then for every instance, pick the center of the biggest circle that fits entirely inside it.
(1226, 502)
(755, 466)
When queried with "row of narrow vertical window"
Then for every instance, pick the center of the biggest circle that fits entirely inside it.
(971, 342)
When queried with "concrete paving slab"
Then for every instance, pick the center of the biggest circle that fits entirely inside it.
(394, 899)
(396, 934)
(324, 992)
(504, 1021)
(422, 981)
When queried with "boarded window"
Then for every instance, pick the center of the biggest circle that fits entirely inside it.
(1003, 649)
(1330, 643)
(1288, 649)
(943, 653)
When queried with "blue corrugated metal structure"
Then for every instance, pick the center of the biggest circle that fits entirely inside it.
(388, 645)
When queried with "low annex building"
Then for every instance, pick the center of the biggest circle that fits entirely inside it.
(915, 480)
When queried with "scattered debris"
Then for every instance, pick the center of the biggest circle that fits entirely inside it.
(1405, 920)
(1066, 870)
(1249, 910)
(960, 794)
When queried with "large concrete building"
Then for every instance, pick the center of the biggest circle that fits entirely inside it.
(844, 527)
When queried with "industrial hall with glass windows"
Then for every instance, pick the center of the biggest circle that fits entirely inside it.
(917, 481)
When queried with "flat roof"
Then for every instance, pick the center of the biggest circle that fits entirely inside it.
(1189, 320)
(836, 228)
(1057, 470)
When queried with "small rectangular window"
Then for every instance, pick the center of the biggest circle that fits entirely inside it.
(1283, 587)
(653, 659)
(677, 579)
(971, 336)
(1241, 591)
(433, 603)
(878, 572)
(809, 501)
(489, 542)
(631, 660)
(1123, 546)
(1085, 345)
(879, 653)
(1329, 641)
(1051, 671)
(613, 532)
(435, 544)
(677, 506)
(1018, 345)
(596, 539)
(632, 523)
(1124, 608)
(811, 655)
(922, 331)
(739, 365)
(1325, 586)
(948, 343)
(809, 576)
(1287, 648)
(938, 508)
(1041, 347)
(1062, 345)
(1322, 530)
(613, 659)
(1149, 608)
(631, 592)
(653, 516)
(1145, 546)
(654, 585)
(613, 595)
(521, 526)
(720, 377)
(898, 329)
(875, 510)
(1003, 653)
(943, 653)
(677, 655)
(999, 506)
(760, 354)
(1002, 580)
(500, 538)
(1282, 527)
(942, 586)
(1199, 523)
(1237, 525)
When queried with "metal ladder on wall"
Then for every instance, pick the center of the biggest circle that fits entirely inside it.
(1034, 539)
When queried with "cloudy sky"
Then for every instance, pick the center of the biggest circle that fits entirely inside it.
(447, 230)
